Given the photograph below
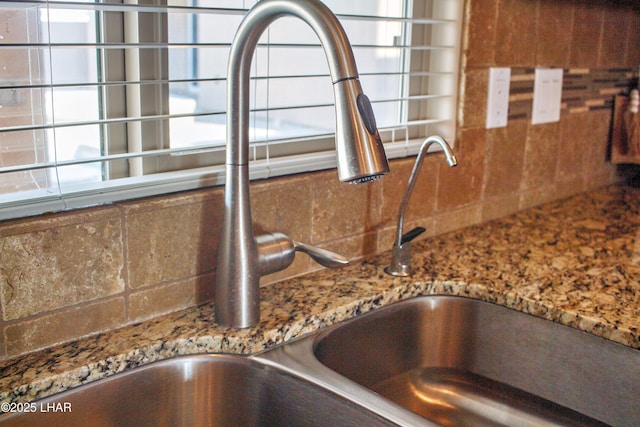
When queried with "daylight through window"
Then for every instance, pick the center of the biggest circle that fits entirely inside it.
(115, 99)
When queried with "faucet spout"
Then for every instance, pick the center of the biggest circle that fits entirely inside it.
(243, 258)
(401, 254)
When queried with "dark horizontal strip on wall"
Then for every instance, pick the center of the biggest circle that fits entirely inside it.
(583, 89)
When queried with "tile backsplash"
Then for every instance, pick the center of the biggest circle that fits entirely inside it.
(583, 90)
(78, 273)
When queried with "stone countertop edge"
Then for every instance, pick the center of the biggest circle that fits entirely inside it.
(561, 275)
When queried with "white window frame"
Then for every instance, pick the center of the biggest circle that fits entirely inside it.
(434, 50)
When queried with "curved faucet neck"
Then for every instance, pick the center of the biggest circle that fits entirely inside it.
(451, 160)
(325, 25)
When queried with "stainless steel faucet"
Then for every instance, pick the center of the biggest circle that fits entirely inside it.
(242, 257)
(401, 253)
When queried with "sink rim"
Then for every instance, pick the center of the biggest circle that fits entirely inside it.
(297, 358)
(300, 356)
(260, 384)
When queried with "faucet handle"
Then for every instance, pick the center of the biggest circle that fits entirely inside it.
(411, 234)
(276, 252)
(322, 256)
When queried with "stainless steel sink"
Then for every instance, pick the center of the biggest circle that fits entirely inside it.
(213, 390)
(457, 361)
(434, 360)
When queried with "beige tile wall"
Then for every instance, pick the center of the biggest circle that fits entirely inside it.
(72, 274)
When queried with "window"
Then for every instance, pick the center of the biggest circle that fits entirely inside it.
(116, 99)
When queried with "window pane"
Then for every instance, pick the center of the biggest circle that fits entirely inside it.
(22, 100)
(198, 66)
(72, 105)
(97, 96)
(297, 105)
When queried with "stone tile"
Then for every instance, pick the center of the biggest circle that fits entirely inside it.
(586, 35)
(163, 299)
(474, 98)
(541, 153)
(538, 196)
(172, 238)
(56, 220)
(574, 146)
(457, 219)
(505, 159)
(481, 32)
(63, 326)
(616, 22)
(596, 159)
(341, 209)
(283, 205)
(632, 54)
(555, 20)
(499, 207)
(516, 33)
(59, 261)
(462, 185)
(596, 181)
(423, 198)
(569, 186)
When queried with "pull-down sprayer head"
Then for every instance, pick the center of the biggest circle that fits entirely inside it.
(360, 154)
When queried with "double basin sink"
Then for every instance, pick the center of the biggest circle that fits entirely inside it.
(433, 360)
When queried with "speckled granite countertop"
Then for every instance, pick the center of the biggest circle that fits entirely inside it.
(576, 262)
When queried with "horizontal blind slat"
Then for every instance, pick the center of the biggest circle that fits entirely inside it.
(270, 145)
(410, 74)
(129, 119)
(172, 8)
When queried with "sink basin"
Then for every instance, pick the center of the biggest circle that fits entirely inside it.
(458, 361)
(434, 360)
(211, 390)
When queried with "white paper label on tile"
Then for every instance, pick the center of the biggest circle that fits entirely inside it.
(547, 95)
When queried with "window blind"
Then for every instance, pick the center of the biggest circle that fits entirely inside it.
(112, 100)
